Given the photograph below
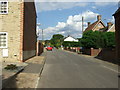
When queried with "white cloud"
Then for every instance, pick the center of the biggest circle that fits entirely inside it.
(104, 3)
(72, 26)
(48, 6)
(94, 7)
(76, 0)
(111, 20)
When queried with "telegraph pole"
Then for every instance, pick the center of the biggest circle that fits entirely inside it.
(82, 24)
(42, 36)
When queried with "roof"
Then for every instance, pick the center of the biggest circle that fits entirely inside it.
(70, 38)
(112, 28)
(108, 30)
(92, 26)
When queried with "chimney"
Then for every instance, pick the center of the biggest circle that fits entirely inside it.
(89, 24)
(99, 17)
(109, 24)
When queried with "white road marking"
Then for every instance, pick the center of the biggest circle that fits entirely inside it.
(37, 83)
(111, 69)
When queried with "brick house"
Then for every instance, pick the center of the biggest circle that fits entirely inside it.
(18, 30)
(117, 32)
(96, 26)
(100, 26)
(109, 28)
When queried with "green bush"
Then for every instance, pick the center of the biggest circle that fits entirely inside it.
(97, 39)
(11, 67)
(57, 40)
(71, 44)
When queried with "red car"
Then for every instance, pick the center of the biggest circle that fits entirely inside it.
(49, 48)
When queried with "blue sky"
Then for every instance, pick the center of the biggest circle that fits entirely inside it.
(65, 17)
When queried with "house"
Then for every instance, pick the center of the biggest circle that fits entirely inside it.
(96, 26)
(109, 28)
(71, 39)
(18, 30)
(117, 32)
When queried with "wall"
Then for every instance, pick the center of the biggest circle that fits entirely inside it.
(117, 33)
(10, 23)
(29, 30)
(86, 51)
(40, 48)
(91, 51)
(108, 55)
(98, 28)
(95, 52)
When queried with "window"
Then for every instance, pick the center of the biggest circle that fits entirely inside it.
(3, 40)
(3, 7)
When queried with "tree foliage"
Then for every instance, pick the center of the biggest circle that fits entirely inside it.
(57, 40)
(110, 39)
(96, 39)
(71, 44)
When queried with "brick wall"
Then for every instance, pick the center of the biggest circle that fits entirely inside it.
(20, 24)
(108, 55)
(91, 51)
(94, 52)
(10, 23)
(86, 51)
(29, 30)
(40, 48)
(117, 33)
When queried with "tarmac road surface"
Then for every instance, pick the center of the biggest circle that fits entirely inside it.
(67, 70)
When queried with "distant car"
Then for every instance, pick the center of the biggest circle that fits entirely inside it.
(49, 48)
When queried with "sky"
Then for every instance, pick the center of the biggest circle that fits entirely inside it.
(66, 17)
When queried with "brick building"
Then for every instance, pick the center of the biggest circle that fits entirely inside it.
(109, 28)
(96, 26)
(117, 32)
(100, 26)
(18, 30)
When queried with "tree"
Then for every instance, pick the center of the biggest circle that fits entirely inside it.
(57, 40)
(97, 39)
(47, 43)
(110, 39)
(71, 44)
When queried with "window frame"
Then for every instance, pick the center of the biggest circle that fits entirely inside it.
(6, 40)
(6, 7)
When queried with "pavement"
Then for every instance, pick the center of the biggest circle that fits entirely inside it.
(26, 76)
(68, 70)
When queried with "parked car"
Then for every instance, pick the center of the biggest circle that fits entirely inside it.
(49, 48)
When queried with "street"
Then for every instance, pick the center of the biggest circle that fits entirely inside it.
(67, 70)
